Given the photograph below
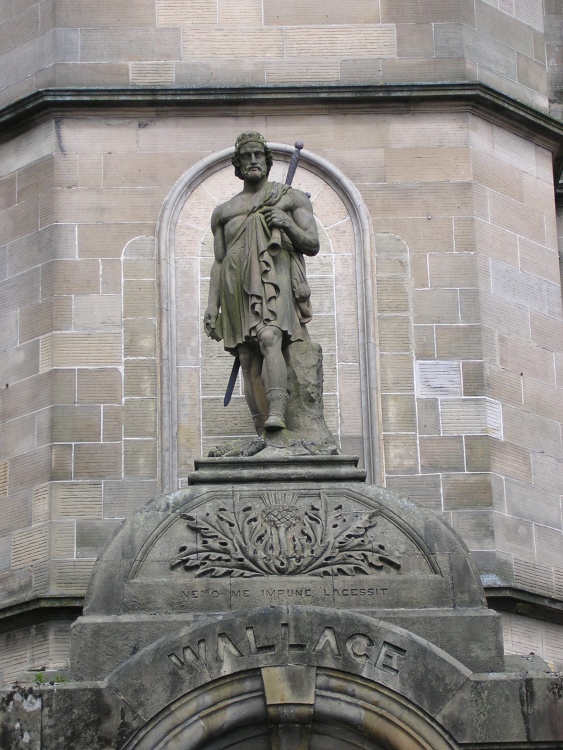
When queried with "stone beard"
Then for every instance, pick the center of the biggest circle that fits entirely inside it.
(259, 300)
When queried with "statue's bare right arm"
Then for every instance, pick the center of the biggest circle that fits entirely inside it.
(212, 312)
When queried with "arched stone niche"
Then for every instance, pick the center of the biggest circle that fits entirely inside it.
(195, 370)
(290, 677)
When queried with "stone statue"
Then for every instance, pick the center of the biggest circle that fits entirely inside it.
(259, 300)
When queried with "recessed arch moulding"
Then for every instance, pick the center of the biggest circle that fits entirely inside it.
(195, 370)
(329, 680)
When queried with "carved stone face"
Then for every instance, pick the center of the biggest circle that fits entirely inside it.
(252, 161)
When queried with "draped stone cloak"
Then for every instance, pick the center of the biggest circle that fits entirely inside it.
(257, 289)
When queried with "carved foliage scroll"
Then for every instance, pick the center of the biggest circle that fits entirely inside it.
(284, 537)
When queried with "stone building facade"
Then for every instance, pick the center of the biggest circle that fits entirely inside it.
(433, 134)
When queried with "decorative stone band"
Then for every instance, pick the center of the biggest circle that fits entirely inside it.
(473, 93)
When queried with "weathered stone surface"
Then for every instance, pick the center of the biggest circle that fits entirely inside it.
(260, 609)
(294, 635)
(304, 414)
(20, 718)
(292, 529)
(359, 677)
(219, 547)
(363, 145)
(472, 639)
(85, 716)
(529, 700)
(273, 466)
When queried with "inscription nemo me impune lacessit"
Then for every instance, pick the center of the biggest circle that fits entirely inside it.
(293, 593)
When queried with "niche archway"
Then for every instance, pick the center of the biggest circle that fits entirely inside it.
(188, 405)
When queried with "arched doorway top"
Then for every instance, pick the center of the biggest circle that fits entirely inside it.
(345, 674)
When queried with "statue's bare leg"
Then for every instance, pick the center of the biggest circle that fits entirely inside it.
(274, 376)
(251, 362)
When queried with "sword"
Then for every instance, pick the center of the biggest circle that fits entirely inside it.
(274, 246)
(232, 382)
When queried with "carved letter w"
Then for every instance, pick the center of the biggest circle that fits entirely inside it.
(191, 659)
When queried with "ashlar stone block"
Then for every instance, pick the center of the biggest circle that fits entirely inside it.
(294, 13)
(107, 240)
(76, 424)
(77, 500)
(116, 45)
(367, 41)
(100, 385)
(86, 349)
(97, 312)
(139, 459)
(439, 454)
(97, 461)
(186, 12)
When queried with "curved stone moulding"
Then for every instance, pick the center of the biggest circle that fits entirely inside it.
(331, 674)
(373, 717)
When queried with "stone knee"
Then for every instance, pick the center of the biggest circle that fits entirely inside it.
(270, 337)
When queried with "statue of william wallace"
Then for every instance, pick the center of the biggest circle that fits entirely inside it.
(259, 300)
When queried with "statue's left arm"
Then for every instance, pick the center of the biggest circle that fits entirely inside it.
(297, 221)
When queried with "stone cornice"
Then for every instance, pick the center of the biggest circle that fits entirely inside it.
(398, 97)
(525, 603)
(32, 610)
(504, 599)
(474, 95)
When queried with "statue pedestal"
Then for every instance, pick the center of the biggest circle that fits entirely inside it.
(269, 466)
(283, 532)
(284, 603)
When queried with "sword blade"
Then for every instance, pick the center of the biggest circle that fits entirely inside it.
(232, 382)
(293, 163)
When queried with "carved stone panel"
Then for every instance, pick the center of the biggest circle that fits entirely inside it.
(216, 548)
(282, 535)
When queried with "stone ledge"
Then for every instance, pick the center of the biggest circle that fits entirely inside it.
(477, 96)
(525, 603)
(34, 609)
(228, 470)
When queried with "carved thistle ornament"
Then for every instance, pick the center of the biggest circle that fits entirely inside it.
(281, 538)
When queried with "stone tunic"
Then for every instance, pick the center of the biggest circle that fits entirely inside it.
(256, 289)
